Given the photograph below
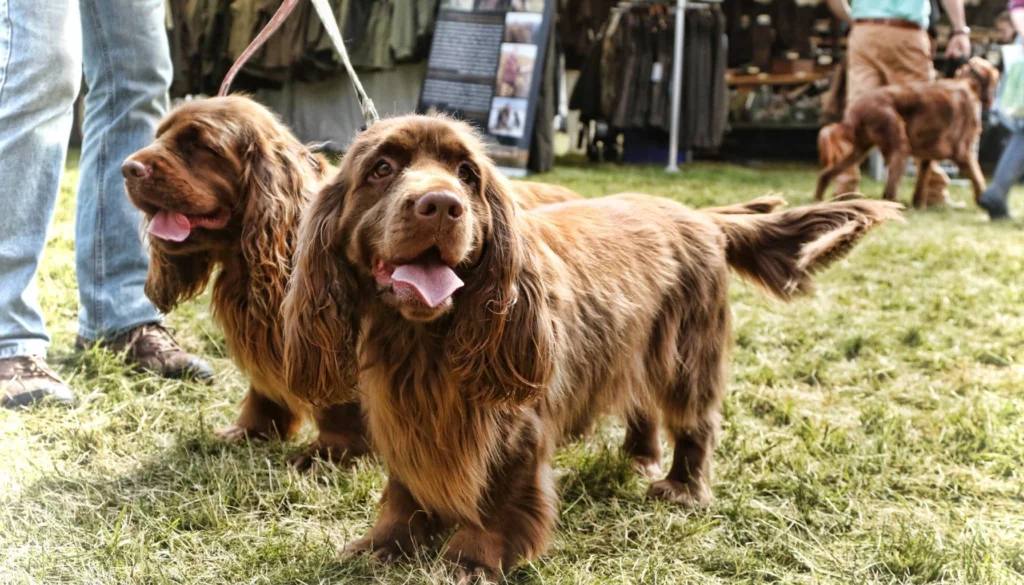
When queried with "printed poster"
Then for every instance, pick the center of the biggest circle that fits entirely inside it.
(485, 67)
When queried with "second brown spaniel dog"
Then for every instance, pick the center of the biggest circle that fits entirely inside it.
(930, 121)
(224, 185)
(481, 334)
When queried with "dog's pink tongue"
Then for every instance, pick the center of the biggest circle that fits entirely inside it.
(433, 281)
(168, 225)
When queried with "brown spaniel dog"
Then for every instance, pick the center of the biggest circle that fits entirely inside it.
(479, 335)
(224, 185)
(930, 121)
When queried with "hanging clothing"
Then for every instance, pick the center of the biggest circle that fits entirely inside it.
(579, 24)
(388, 42)
(626, 79)
(719, 91)
(198, 35)
(542, 144)
(208, 35)
(586, 95)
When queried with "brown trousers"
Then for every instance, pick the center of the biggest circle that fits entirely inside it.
(881, 55)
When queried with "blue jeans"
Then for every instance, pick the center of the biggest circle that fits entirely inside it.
(43, 46)
(1008, 171)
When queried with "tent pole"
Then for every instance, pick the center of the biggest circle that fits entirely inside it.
(677, 87)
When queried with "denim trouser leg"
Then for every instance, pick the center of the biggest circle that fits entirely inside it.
(1008, 171)
(40, 71)
(127, 72)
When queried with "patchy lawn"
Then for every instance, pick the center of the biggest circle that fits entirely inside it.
(874, 433)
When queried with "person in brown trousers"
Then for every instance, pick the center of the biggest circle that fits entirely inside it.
(888, 45)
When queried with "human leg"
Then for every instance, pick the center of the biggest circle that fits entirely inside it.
(128, 71)
(39, 80)
(1009, 169)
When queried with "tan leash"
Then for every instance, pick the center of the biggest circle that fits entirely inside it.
(323, 10)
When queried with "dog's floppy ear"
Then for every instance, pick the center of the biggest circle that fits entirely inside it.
(174, 279)
(274, 185)
(503, 340)
(319, 311)
(992, 75)
(982, 76)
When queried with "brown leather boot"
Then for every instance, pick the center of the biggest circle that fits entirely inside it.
(26, 380)
(151, 348)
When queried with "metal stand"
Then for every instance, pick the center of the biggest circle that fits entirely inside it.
(677, 88)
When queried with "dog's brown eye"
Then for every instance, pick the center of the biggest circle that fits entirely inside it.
(465, 173)
(383, 169)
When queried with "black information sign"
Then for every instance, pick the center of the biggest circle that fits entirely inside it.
(485, 67)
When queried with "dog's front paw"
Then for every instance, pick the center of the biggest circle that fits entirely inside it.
(476, 555)
(473, 574)
(231, 434)
(385, 551)
(696, 494)
(236, 433)
(648, 467)
(324, 449)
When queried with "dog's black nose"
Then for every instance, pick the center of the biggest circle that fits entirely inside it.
(439, 203)
(133, 169)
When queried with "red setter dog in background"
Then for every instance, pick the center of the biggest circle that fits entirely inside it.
(480, 334)
(930, 121)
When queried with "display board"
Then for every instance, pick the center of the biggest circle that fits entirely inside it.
(485, 67)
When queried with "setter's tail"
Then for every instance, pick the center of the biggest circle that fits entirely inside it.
(834, 144)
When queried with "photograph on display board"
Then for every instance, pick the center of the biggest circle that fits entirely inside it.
(523, 27)
(515, 70)
(511, 159)
(508, 117)
(528, 5)
(457, 4)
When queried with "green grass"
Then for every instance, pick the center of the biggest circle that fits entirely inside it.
(874, 433)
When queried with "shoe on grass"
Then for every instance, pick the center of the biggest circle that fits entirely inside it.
(995, 206)
(27, 380)
(152, 348)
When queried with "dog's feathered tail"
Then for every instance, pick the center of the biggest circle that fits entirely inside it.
(782, 251)
(764, 204)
